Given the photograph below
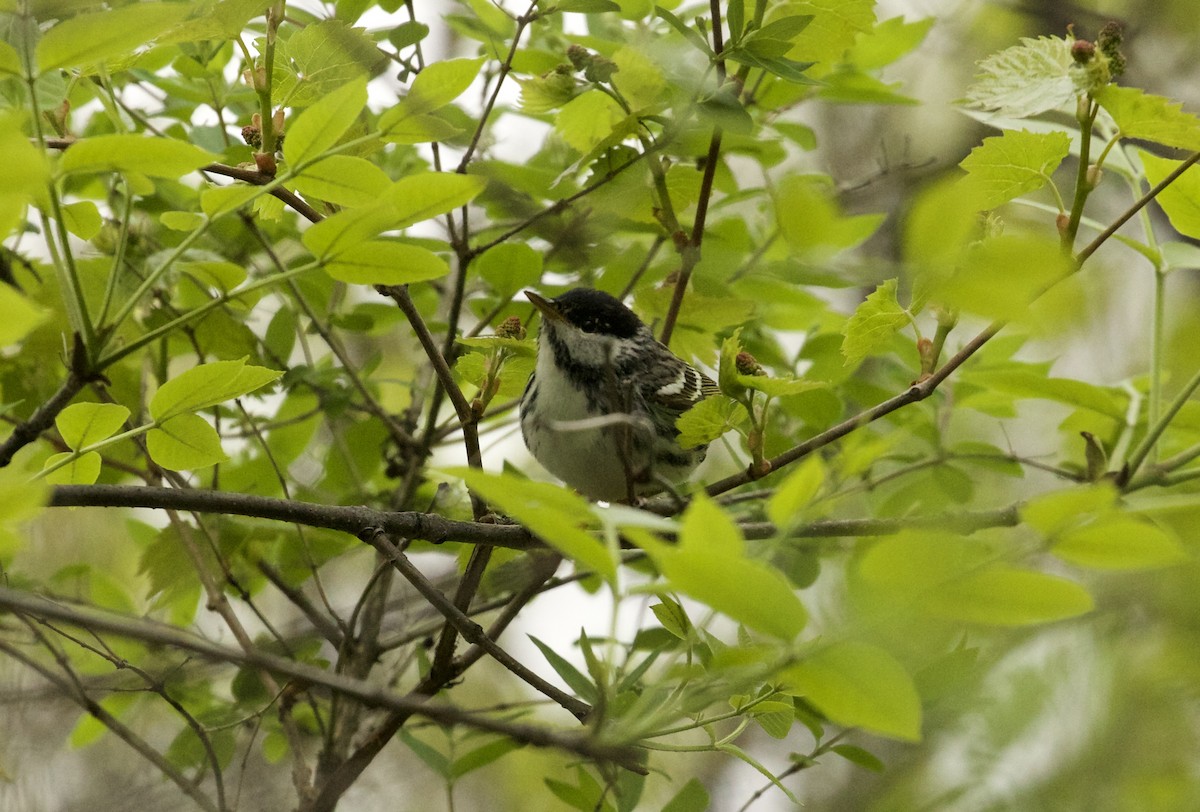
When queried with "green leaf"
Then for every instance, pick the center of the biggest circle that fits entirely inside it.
(673, 617)
(779, 387)
(1002, 275)
(343, 180)
(181, 220)
(1052, 513)
(572, 676)
(708, 420)
(1077, 394)
(588, 119)
(420, 197)
(224, 199)
(207, 385)
(586, 6)
(690, 34)
(82, 470)
(421, 129)
(857, 755)
(321, 57)
(794, 494)
(1143, 115)
(320, 126)
(710, 565)
(156, 157)
(541, 94)
(435, 86)
(482, 756)
(692, 797)
(90, 38)
(82, 219)
(408, 200)
(509, 267)
(185, 442)
(874, 323)
(1003, 596)
(223, 20)
(214, 274)
(860, 685)
(551, 512)
(434, 759)
(1026, 79)
(945, 576)
(1015, 163)
(10, 60)
(835, 26)
(82, 424)
(1120, 542)
(20, 315)
(811, 221)
(1180, 200)
(385, 262)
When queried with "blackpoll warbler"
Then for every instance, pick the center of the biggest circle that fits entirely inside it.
(599, 410)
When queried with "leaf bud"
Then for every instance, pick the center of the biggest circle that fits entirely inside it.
(1082, 51)
(511, 328)
(747, 364)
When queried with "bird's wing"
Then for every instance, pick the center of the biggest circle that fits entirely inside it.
(676, 385)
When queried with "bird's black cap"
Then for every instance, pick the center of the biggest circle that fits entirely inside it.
(595, 311)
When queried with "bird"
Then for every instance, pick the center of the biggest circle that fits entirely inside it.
(599, 410)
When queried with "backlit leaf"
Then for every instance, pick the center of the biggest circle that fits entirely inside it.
(207, 385)
(874, 323)
(1014, 163)
(320, 126)
(385, 262)
(94, 37)
(156, 157)
(185, 442)
(859, 685)
(82, 424)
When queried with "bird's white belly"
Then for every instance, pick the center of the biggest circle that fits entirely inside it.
(587, 459)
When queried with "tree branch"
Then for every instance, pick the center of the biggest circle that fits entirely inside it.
(162, 634)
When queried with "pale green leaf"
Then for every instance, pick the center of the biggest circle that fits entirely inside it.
(343, 180)
(20, 315)
(82, 470)
(509, 267)
(156, 157)
(1052, 513)
(436, 86)
(218, 275)
(184, 442)
(710, 565)
(551, 512)
(420, 197)
(857, 755)
(797, 490)
(1154, 118)
(874, 323)
(207, 385)
(811, 221)
(320, 126)
(1002, 275)
(1180, 200)
(1026, 79)
(181, 220)
(321, 57)
(859, 685)
(94, 37)
(224, 20)
(224, 199)
(708, 420)
(482, 756)
(1120, 542)
(692, 797)
(10, 60)
(588, 119)
(1004, 596)
(82, 219)
(835, 25)
(572, 676)
(1014, 163)
(82, 424)
(638, 78)
(672, 616)
(420, 129)
(385, 262)
(779, 387)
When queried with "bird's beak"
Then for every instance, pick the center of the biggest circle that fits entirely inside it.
(547, 307)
